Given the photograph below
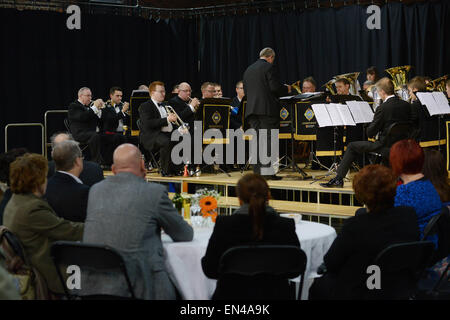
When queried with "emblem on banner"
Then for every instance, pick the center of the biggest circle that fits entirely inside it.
(284, 113)
(309, 114)
(216, 117)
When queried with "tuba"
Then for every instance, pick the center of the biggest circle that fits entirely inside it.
(352, 78)
(329, 86)
(438, 84)
(297, 86)
(400, 79)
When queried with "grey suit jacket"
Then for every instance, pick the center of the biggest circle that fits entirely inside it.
(127, 213)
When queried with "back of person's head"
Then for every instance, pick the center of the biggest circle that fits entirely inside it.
(434, 169)
(65, 155)
(128, 158)
(417, 84)
(60, 137)
(386, 85)
(252, 189)
(5, 161)
(375, 186)
(406, 157)
(267, 53)
(28, 173)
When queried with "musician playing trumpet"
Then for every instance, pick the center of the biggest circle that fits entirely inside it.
(120, 108)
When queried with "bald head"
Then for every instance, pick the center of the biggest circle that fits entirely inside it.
(60, 137)
(128, 158)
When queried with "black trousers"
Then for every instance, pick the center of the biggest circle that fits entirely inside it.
(93, 140)
(165, 145)
(258, 122)
(351, 154)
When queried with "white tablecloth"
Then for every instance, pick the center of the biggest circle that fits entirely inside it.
(184, 266)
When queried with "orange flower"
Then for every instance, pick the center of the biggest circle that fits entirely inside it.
(208, 204)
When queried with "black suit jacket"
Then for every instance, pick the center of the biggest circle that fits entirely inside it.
(236, 119)
(120, 115)
(83, 121)
(183, 110)
(262, 88)
(151, 124)
(393, 110)
(91, 174)
(67, 197)
(361, 239)
(235, 230)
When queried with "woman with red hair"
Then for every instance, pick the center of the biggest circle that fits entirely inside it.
(407, 159)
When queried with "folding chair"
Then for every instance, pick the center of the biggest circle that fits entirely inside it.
(275, 261)
(148, 154)
(95, 257)
(401, 266)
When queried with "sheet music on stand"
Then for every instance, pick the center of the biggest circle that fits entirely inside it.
(435, 102)
(333, 114)
(361, 111)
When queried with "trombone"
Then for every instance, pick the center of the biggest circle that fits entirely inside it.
(184, 126)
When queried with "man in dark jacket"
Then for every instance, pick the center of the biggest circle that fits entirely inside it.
(390, 111)
(262, 88)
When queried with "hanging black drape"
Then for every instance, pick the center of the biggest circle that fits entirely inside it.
(325, 42)
(43, 64)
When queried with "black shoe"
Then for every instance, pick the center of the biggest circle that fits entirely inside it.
(164, 174)
(272, 177)
(334, 183)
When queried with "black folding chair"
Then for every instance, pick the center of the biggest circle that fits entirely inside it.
(279, 261)
(95, 257)
(148, 154)
(401, 266)
(396, 132)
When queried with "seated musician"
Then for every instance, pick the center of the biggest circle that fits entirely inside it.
(218, 91)
(208, 90)
(84, 119)
(156, 127)
(309, 85)
(236, 116)
(391, 110)
(121, 108)
(372, 74)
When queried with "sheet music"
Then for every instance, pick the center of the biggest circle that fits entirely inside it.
(429, 100)
(138, 91)
(361, 111)
(345, 114)
(322, 116)
(286, 97)
(335, 116)
(442, 102)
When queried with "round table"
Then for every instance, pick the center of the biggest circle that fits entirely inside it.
(183, 259)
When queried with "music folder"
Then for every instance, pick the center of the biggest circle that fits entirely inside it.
(329, 115)
(361, 111)
(435, 102)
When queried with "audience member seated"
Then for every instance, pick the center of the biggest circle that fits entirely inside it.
(253, 223)
(8, 287)
(434, 169)
(157, 126)
(5, 160)
(84, 120)
(92, 172)
(32, 219)
(66, 193)
(131, 222)
(364, 236)
(416, 191)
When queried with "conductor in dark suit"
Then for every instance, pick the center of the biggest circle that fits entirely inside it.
(84, 119)
(157, 126)
(262, 88)
(66, 193)
(391, 110)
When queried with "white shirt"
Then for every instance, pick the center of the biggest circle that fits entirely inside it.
(163, 113)
(69, 174)
(388, 97)
(120, 126)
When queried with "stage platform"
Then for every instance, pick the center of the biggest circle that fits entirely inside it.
(291, 194)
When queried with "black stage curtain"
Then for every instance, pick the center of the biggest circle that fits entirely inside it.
(326, 42)
(43, 64)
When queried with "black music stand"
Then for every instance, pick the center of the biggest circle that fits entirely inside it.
(222, 125)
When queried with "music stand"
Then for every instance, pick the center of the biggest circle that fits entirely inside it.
(137, 98)
(334, 115)
(215, 114)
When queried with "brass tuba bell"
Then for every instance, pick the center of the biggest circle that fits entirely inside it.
(438, 84)
(352, 78)
(329, 86)
(297, 86)
(399, 76)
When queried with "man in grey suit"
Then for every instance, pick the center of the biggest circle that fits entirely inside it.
(127, 213)
(262, 88)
